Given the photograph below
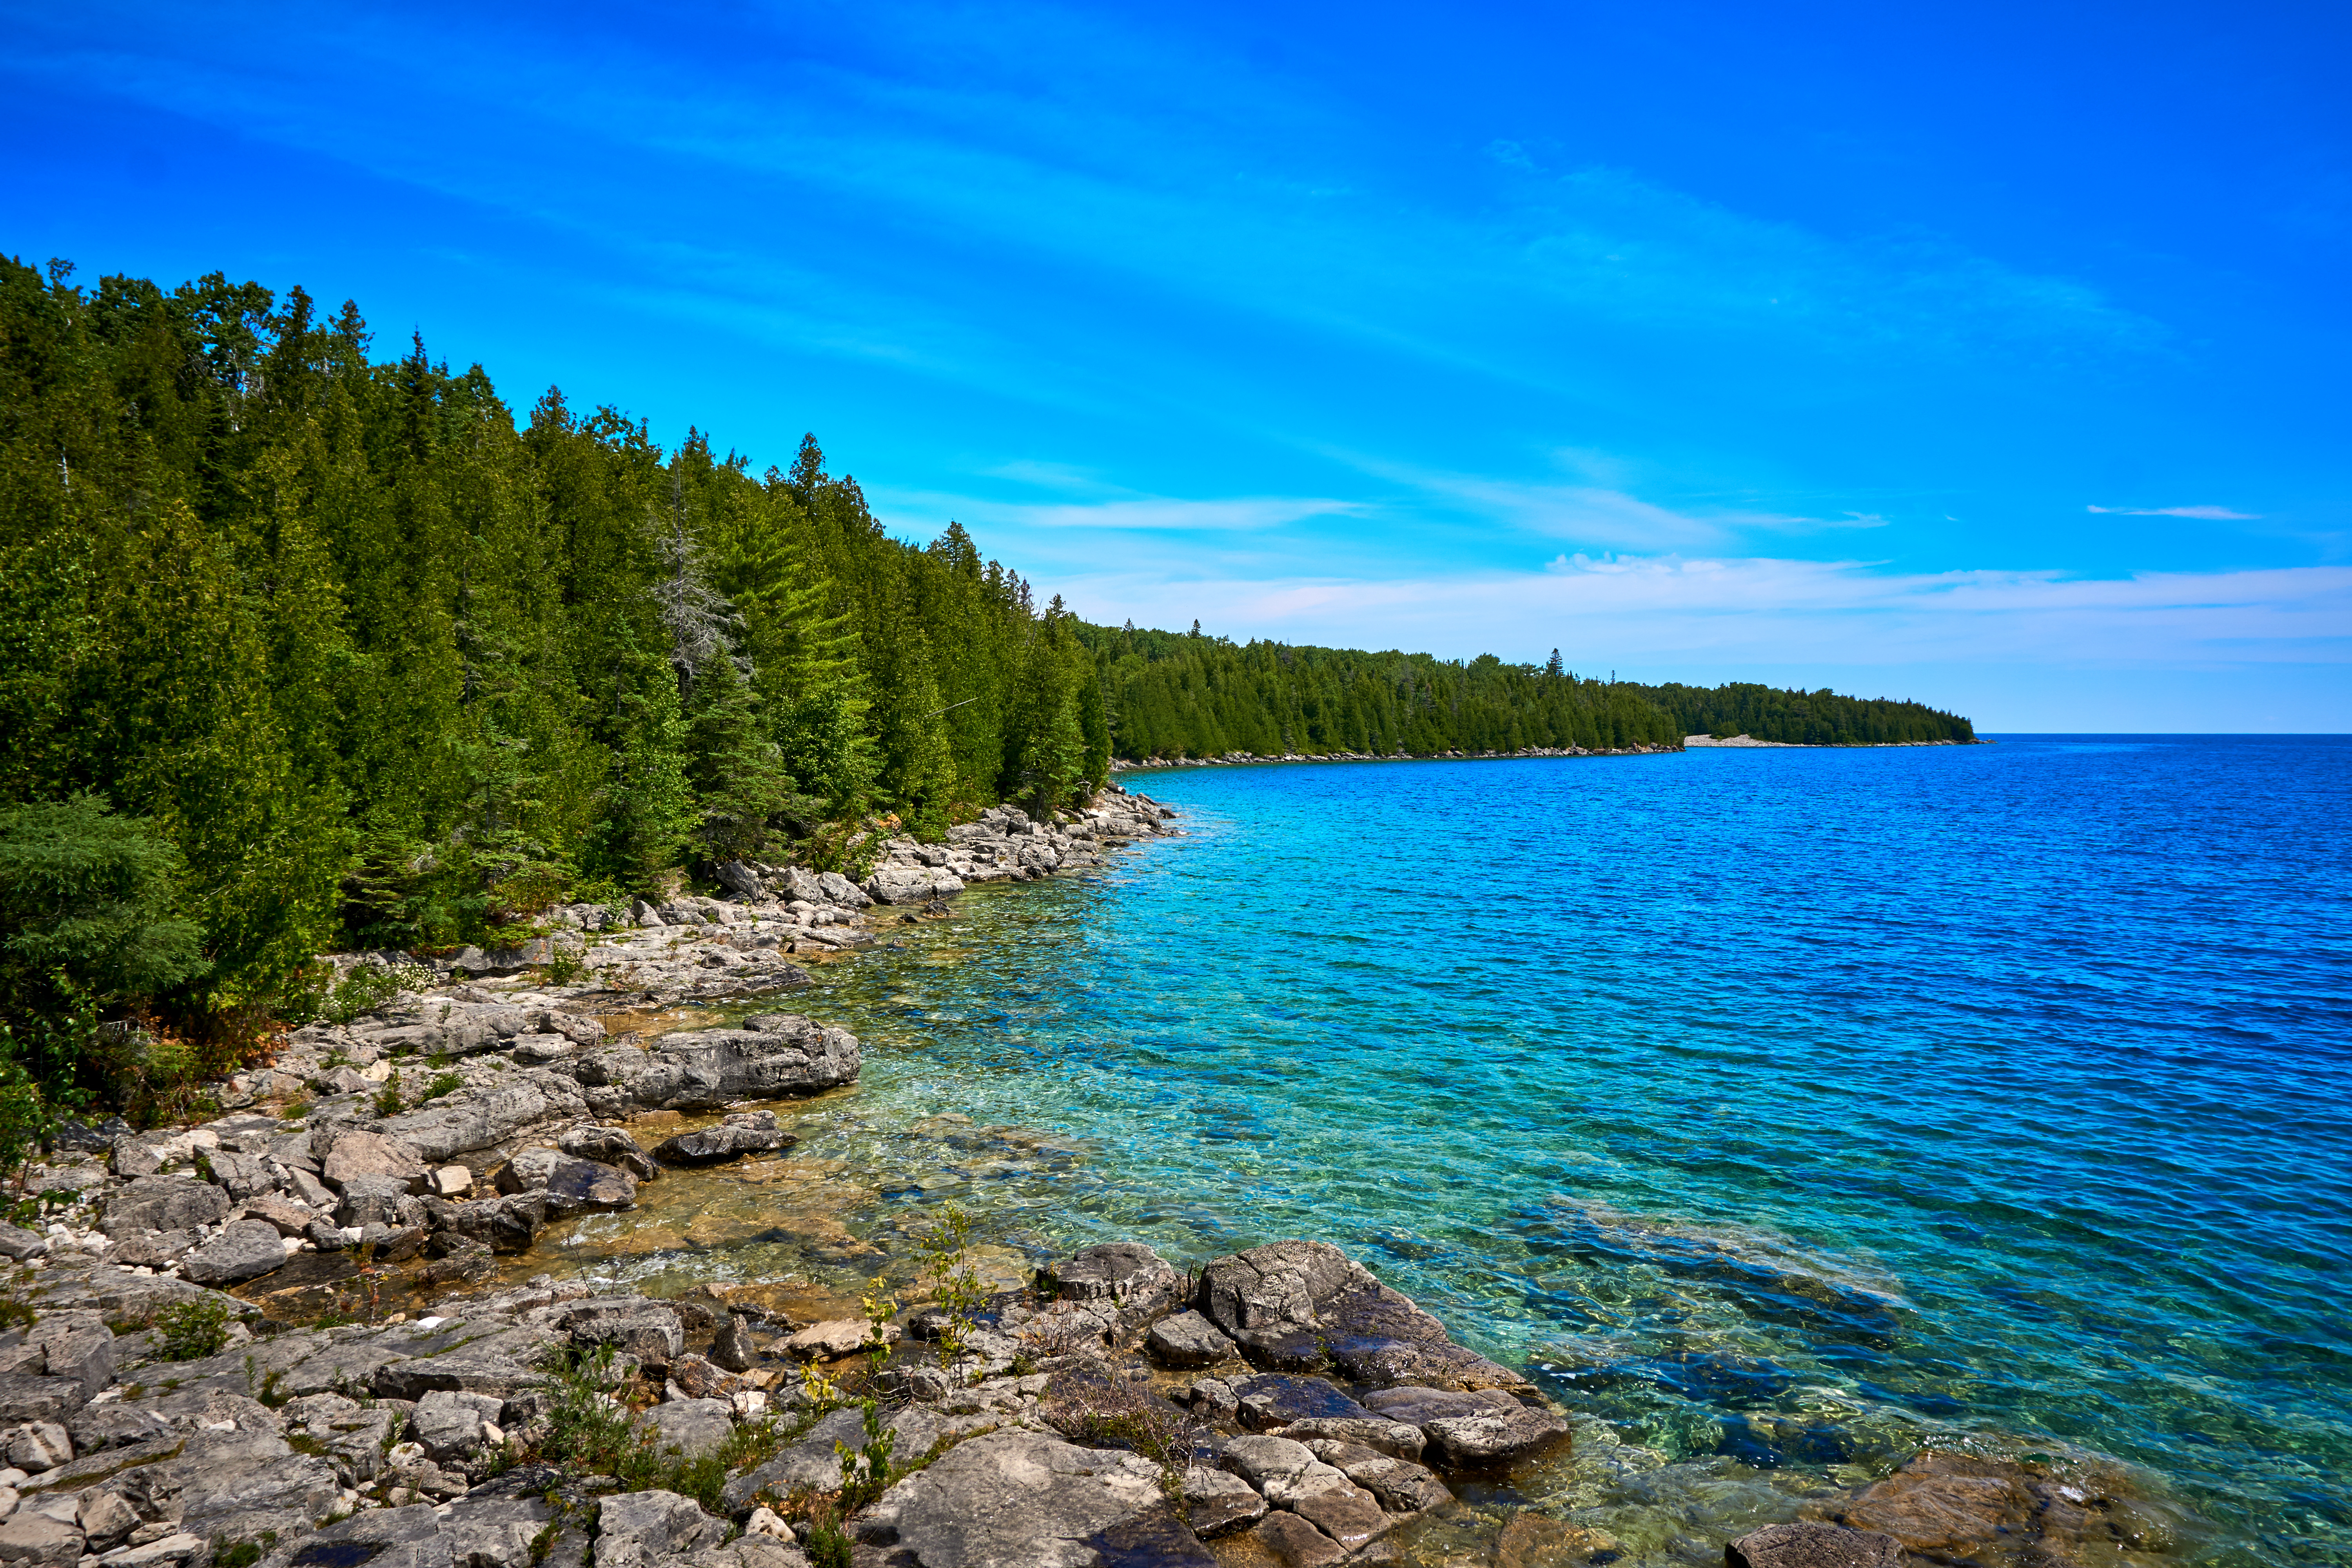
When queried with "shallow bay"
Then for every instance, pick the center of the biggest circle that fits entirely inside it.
(1787, 1108)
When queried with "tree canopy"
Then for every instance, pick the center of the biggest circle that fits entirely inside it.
(360, 653)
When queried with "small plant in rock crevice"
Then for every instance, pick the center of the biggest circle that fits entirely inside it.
(956, 1286)
(191, 1330)
(387, 1099)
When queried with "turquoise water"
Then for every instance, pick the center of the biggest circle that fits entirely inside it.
(1782, 1106)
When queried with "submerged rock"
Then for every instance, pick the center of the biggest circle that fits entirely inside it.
(746, 1133)
(1813, 1545)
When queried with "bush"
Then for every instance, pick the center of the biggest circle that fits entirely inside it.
(191, 1330)
(86, 902)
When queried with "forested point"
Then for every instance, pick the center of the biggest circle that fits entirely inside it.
(303, 649)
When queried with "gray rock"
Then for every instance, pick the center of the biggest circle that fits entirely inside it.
(636, 1530)
(911, 884)
(773, 1056)
(1188, 1340)
(37, 1540)
(1126, 1275)
(1218, 1502)
(236, 1484)
(239, 1175)
(407, 1537)
(377, 1200)
(738, 877)
(105, 1518)
(1493, 1438)
(291, 1219)
(568, 1186)
(1419, 1406)
(745, 1132)
(1380, 1434)
(1271, 1400)
(116, 1424)
(348, 1153)
(39, 1446)
(448, 1422)
(78, 1345)
(808, 1465)
(837, 888)
(1294, 1544)
(1400, 1486)
(503, 1223)
(164, 1202)
(693, 1426)
(1298, 1306)
(630, 1325)
(1020, 1499)
(504, 1532)
(493, 1113)
(1810, 1544)
(305, 1186)
(608, 1146)
(245, 1251)
(157, 1251)
(17, 1244)
(537, 1050)
(732, 1347)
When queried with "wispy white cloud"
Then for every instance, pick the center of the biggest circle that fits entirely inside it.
(1726, 612)
(1124, 512)
(2207, 513)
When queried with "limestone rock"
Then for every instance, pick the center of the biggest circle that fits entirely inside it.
(349, 1153)
(732, 1347)
(692, 1426)
(376, 1199)
(245, 1251)
(1493, 1438)
(831, 1340)
(1400, 1486)
(1188, 1340)
(570, 1186)
(745, 1132)
(239, 1175)
(645, 1329)
(1394, 1438)
(491, 1114)
(1020, 1499)
(608, 1146)
(808, 1465)
(39, 1446)
(35, 1541)
(164, 1202)
(448, 1422)
(17, 1244)
(1272, 1400)
(637, 1530)
(287, 1219)
(773, 1055)
(1218, 1502)
(1812, 1544)
(1126, 1275)
(1294, 1544)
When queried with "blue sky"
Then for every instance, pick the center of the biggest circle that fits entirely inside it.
(1993, 356)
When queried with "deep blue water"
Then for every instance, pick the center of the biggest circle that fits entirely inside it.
(1783, 1107)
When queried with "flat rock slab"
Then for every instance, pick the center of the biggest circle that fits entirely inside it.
(245, 1250)
(1272, 1400)
(1217, 1502)
(741, 1134)
(1494, 1437)
(1294, 1544)
(1188, 1339)
(692, 1426)
(1813, 1545)
(1020, 1499)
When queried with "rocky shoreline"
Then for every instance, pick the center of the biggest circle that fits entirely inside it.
(278, 1340)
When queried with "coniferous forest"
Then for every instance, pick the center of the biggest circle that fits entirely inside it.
(304, 645)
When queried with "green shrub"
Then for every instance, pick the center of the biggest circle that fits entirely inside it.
(191, 1330)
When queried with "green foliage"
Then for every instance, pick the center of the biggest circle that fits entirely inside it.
(387, 1099)
(956, 1287)
(592, 1432)
(191, 1330)
(86, 900)
(866, 1469)
(443, 1083)
(363, 658)
(27, 1124)
(1804, 717)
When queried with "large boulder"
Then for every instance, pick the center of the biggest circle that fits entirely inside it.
(570, 1186)
(346, 1152)
(1812, 1544)
(503, 1224)
(745, 1132)
(773, 1056)
(1022, 1499)
(245, 1250)
(693, 1426)
(491, 1114)
(1301, 1306)
(912, 884)
(164, 1202)
(837, 888)
(1494, 1437)
(637, 1530)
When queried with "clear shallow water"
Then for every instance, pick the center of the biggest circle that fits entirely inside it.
(1783, 1107)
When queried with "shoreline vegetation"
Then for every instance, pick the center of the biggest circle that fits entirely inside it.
(303, 1331)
